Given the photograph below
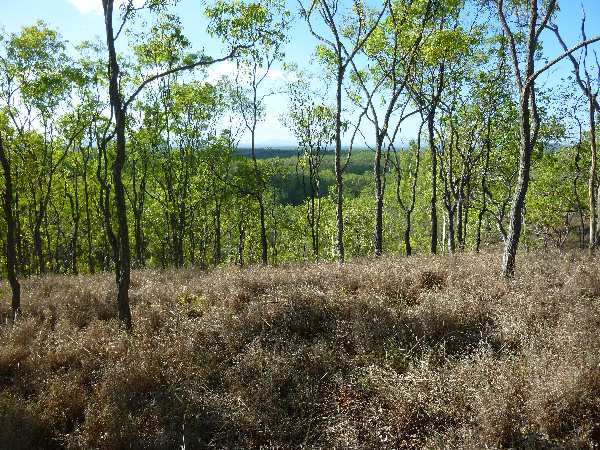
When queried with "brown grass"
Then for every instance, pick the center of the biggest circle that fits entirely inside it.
(397, 353)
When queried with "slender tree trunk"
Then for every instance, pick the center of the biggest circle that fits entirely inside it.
(11, 250)
(460, 237)
(407, 232)
(378, 199)
(516, 212)
(37, 244)
(241, 234)
(217, 250)
(88, 222)
(74, 205)
(450, 231)
(123, 266)
(433, 202)
(264, 246)
(592, 178)
(338, 169)
(139, 238)
(317, 225)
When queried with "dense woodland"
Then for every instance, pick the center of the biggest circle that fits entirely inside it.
(115, 154)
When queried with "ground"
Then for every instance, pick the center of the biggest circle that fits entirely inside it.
(419, 352)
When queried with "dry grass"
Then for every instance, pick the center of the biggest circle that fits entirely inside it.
(396, 353)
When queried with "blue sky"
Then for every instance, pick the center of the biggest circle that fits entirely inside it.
(79, 20)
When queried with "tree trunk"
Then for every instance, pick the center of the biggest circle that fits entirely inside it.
(217, 249)
(460, 226)
(407, 232)
(450, 231)
(263, 232)
(338, 168)
(592, 178)
(378, 200)
(123, 267)
(37, 245)
(11, 250)
(433, 203)
(74, 205)
(88, 224)
(241, 234)
(516, 211)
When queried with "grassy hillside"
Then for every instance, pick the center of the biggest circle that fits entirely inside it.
(397, 353)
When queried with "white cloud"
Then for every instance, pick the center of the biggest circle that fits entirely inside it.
(282, 75)
(229, 69)
(95, 6)
(87, 6)
(220, 70)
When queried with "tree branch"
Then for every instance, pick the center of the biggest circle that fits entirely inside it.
(201, 63)
(582, 44)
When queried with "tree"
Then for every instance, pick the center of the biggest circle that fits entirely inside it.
(525, 74)
(586, 84)
(338, 53)
(391, 51)
(312, 124)
(119, 104)
(406, 168)
(444, 42)
(38, 78)
(254, 64)
(11, 246)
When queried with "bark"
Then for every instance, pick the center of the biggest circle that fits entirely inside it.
(484, 187)
(74, 205)
(88, 224)
(433, 201)
(339, 198)
(518, 203)
(217, 249)
(123, 267)
(592, 178)
(527, 108)
(11, 250)
(528, 117)
(378, 199)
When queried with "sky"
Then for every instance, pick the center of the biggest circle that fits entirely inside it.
(79, 20)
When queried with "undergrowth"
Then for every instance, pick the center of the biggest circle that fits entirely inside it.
(416, 352)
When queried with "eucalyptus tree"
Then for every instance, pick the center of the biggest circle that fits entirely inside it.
(254, 65)
(313, 125)
(445, 41)
(461, 152)
(590, 86)
(216, 164)
(11, 241)
(37, 78)
(460, 140)
(195, 110)
(86, 91)
(406, 164)
(8, 200)
(516, 30)
(119, 102)
(163, 50)
(337, 50)
(496, 109)
(390, 51)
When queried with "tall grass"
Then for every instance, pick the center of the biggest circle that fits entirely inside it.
(413, 352)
